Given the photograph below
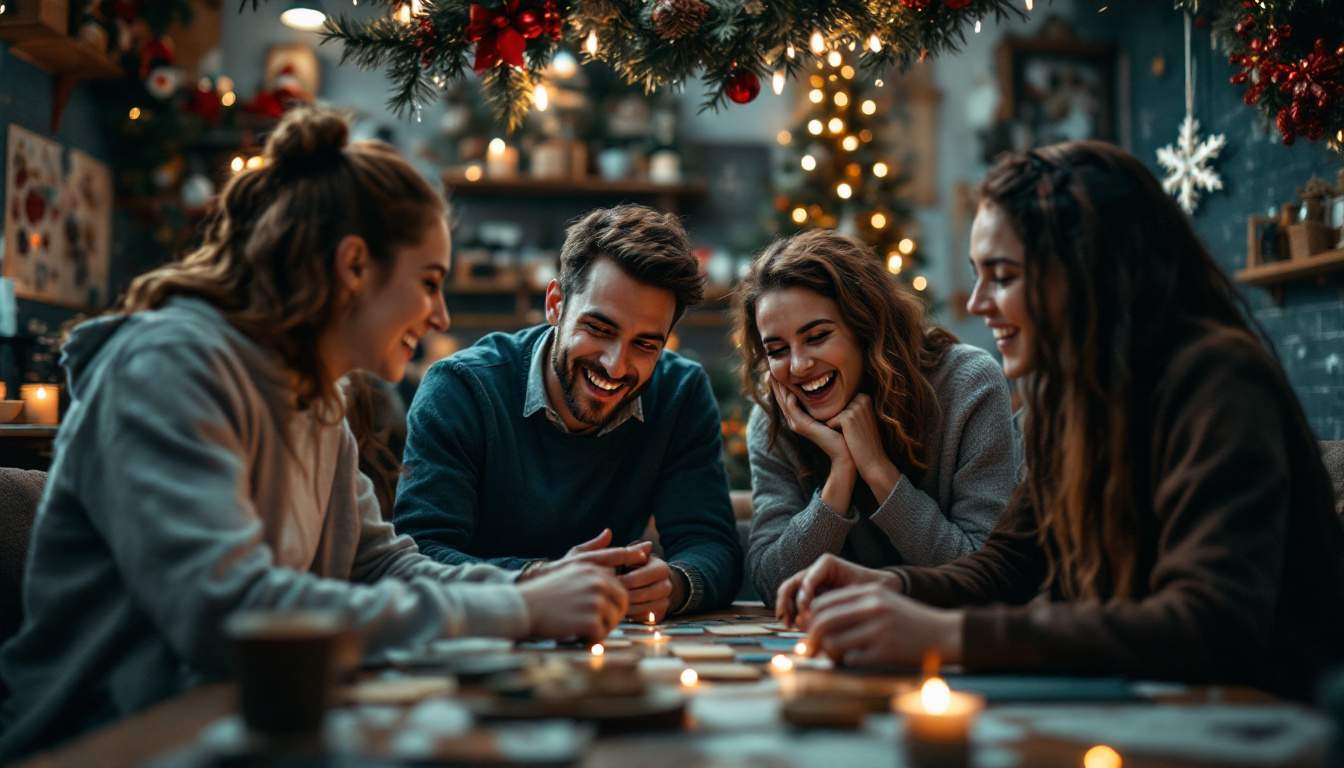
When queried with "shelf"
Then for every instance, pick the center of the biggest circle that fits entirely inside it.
(1280, 272)
(66, 56)
(590, 186)
(68, 59)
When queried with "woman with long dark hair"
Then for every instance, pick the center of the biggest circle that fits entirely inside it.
(1176, 518)
(876, 435)
(204, 466)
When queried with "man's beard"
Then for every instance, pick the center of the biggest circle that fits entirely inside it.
(568, 374)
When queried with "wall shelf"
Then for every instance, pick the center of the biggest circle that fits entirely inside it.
(68, 59)
(1275, 274)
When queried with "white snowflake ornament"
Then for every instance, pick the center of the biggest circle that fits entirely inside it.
(1187, 163)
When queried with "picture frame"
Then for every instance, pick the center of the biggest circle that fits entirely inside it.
(58, 222)
(1056, 87)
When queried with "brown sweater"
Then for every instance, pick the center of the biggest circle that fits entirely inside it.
(1244, 572)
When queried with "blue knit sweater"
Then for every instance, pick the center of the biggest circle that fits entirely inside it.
(484, 483)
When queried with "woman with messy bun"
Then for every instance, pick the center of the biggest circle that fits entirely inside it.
(204, 466)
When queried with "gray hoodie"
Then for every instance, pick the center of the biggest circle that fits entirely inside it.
(174, 500)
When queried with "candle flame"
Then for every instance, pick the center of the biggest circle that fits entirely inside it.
(652, 618)
(1101, 756)
(781, 663)
(497, 146)
(800, 648)
(41, 393)
(689, 677)
(935, 696)
(598, 650)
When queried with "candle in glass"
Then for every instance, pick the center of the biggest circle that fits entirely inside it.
(40, 403)
(501, 160)
(938, 724)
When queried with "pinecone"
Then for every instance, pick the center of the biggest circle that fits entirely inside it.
(675, 19)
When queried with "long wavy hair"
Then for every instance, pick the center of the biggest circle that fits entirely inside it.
(1112, 267)
(267, 259)
(890, 325)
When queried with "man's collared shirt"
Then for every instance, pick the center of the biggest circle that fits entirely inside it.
(537, 399)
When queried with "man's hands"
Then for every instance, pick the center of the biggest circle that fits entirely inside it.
(654, 588)
(793, 601)
(575, 600)
(596, 551)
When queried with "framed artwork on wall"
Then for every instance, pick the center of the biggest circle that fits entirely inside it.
(58, 224)
(1055, 87)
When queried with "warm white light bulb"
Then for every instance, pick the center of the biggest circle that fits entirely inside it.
(590, 45)
(303, 19)
(817, 43)
(874, 43)
(809, 163)
(843, 191)
(777, 82)
(541, 98)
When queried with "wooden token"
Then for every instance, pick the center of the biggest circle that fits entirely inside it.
(398, 691)
(727, 672)
(702, 651)
(737, 630)
(823, 712)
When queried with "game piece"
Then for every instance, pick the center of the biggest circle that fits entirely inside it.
(701, 651)
(738, 630)
(728, 672)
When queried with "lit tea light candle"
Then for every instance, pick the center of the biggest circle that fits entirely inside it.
(689, 678)
(781, 667)
(1102, 756)
(938, 723)
(598, 651)
(40, 403)
(652, 618)
(801, 648)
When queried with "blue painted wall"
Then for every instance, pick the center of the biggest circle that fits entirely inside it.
(1258, 172)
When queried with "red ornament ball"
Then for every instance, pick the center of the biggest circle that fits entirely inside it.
(743, 86)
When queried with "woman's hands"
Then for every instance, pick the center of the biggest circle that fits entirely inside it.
(574, 600)
(869, 625)
(828, 439)
(793, 600)
(858, 424)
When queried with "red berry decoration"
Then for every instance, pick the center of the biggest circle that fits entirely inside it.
(743, 86)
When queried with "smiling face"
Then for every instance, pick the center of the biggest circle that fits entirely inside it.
(608, 337)
(392, 307)
(1000, 295)
(810, 350)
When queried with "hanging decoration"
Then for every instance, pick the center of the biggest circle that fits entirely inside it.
(658, 44)
(1187, 161)
(1289, 56)
(743, 86)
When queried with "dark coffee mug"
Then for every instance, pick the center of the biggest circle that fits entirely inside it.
(286, 664)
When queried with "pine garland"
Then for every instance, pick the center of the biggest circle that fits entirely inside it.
(436, 47)
(1290, 60)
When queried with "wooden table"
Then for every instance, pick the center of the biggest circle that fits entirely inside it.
(727, 724)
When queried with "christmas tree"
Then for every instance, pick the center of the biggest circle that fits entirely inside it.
(842, 174)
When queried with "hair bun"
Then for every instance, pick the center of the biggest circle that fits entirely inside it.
(307, 139)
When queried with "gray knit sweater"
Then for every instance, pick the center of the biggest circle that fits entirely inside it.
(974, 456)
(174, 501)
